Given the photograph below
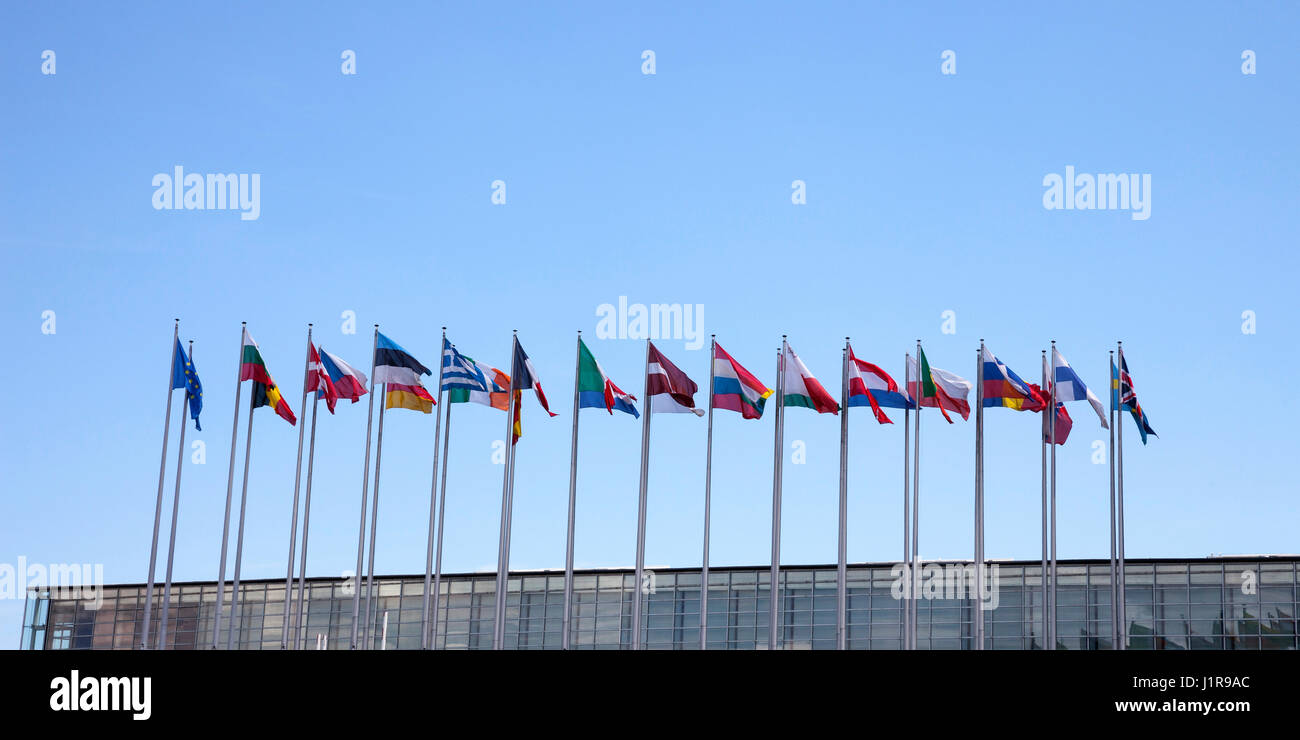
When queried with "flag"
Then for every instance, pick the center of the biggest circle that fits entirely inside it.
(1062, 418)
(670, 391)
(318, 380)
(1122, 396)
(939, 388)
(467, 381)
(871, 386)
(1004, 389)
(734, 388)
(525, 376)
(401, 372)
(348, 382)
(596, 390)
(1070, 387)
(185, 376)
(265, 391)
(802, 389)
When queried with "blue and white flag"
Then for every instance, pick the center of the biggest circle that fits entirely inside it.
(1069, 387)
(459, 371)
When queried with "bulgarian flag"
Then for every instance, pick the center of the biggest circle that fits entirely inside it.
(940, 388)
(596, 390)
(265, 391)
(802, 389)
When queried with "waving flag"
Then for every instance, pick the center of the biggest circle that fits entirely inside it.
(596, 390)
(1004, 389)
(185, 376)
(1070, 387)
(525, 376)
(802, 389)
(401, 372)
(670, 391)
(348, 382)
(1123, 396)
(939, 388)
(871, 386)
(735, 388)
(265, 391)
(319, 380)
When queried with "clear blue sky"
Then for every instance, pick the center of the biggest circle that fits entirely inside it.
(924, 195)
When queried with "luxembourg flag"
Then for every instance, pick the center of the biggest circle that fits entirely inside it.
(735, 388)
(871, 386)
(802, 389)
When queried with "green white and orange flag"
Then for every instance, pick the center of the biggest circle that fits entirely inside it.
(265, 391)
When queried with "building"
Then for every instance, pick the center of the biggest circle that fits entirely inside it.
(1218, 603)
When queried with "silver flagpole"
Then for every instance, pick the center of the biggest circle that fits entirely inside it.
(1051, 625)
(774, 598)
(1048, 419)
(510, 523)
(916, 504)
(1114, 589)
(365, 482)
(433, 496)
(235, 622)
(442, 508)
(499, 610)
(297, 480)
(568, 541)
(977, 613)
(176, 504)
(708, 501)
(907, 505)
(841, 577)
(573, 502)
(1119, 500)
(230, 489)
(162, 473)
(641, 507)
(306, 520)
(374, 527)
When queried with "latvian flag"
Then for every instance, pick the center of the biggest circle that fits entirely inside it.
(939, 388)
(265, 391)
(871, 386)
(735, 388)
(802, 389)
(670, 391)
(596, 390)
(349, 382)
(401, 372)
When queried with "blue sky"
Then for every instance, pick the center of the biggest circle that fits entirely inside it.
(924, 195)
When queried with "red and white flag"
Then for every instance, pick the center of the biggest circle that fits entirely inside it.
(670, 391)
(318, 380)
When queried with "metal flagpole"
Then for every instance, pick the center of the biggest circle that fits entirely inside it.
(977, 613)
(230, 489)
(907, 504)
(297, 480)
(1114, 589)
(365, 482)
(916, 503)
(1119, 501)
(1051, 625)
(239, 538)
(841, 578)
(499, 610)
(433, 496)
(573, 502)
(374, 527)
(176, 504)
(162, 473)
(641, 507)
(778, 450)
(306, 520)
(1049, 418)
(442, 507)
(708, 501)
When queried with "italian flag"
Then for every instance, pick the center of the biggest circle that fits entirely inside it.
(265, 391)
(802, 389)
(596, 390)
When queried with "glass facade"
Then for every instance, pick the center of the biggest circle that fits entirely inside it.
(1213, 604)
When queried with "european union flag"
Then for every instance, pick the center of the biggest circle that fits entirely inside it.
(185, 376)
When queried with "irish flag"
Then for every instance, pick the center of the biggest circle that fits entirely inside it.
(802, 389)
(265, 391)
(596, 390)
(735, 388)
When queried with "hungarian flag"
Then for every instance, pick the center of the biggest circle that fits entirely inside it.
(802, 389)
(939, 388)
(265, 391)
(596, 390)
(735, 388)
(670, 390)
(318, 380)
(871, 386)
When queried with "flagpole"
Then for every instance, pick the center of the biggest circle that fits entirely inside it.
(641, 507)
(708, 501)
(297, 480)
(365, 482)
(841, 578)
(374, 525)
(916, 502)
(1048, 419)
(176, 503)
(1119, 500)
(306, 520)
(162, 474)
(573, 501)
(442, 508)
(1115, 392)
(977, 614)
(499, 610)
(907, 506)
(777, 458)
(239, 538)
(1051, 625)
(433, 496)
(230, 489)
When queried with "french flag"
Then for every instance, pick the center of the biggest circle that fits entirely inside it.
(871, 386)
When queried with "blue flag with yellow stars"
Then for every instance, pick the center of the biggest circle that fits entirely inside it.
(184, 376)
